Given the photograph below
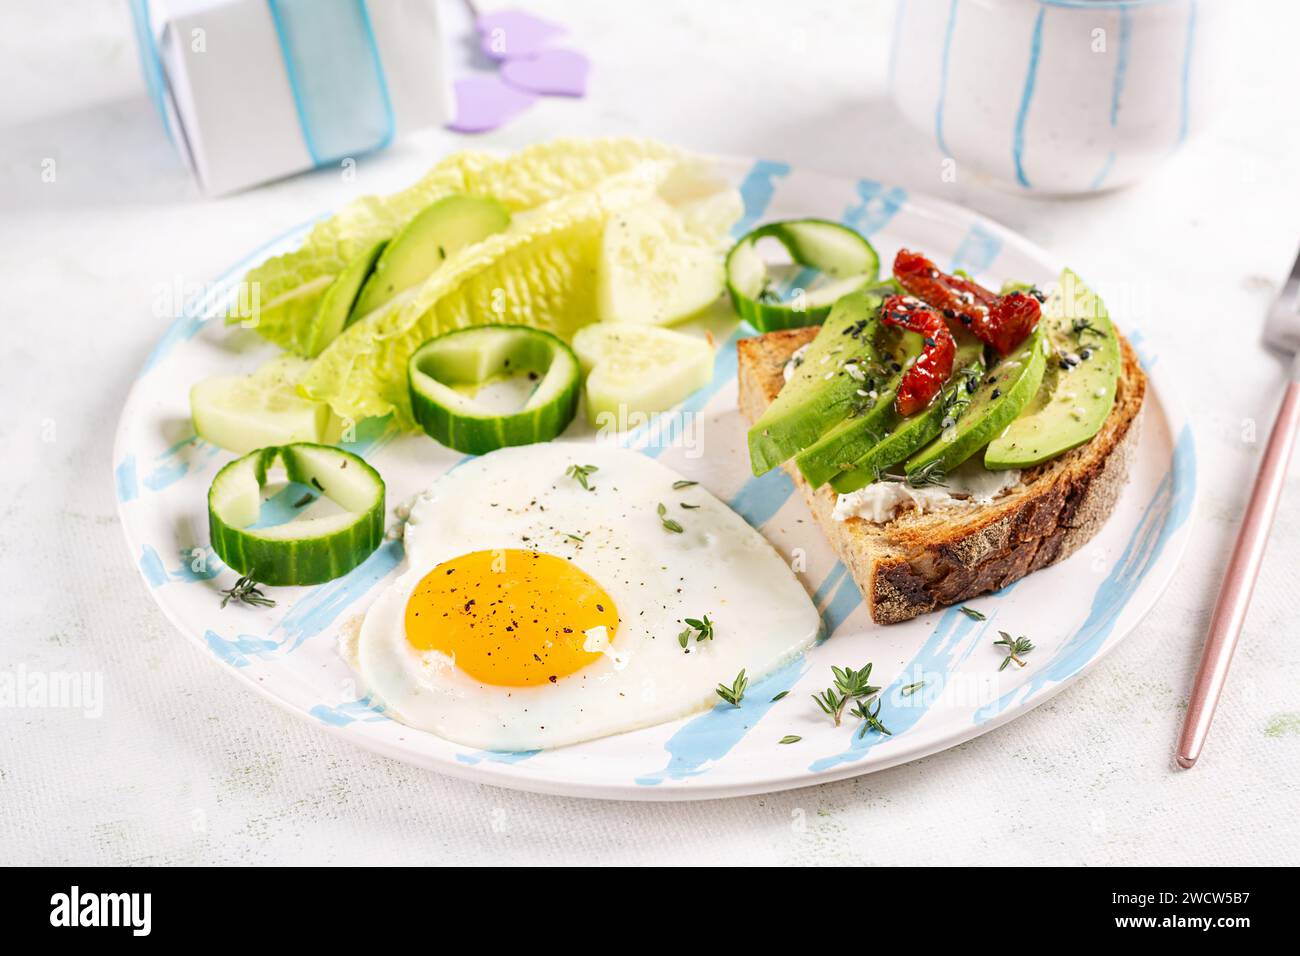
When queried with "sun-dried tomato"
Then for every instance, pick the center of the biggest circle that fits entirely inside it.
(923, 380)
(1001, 321)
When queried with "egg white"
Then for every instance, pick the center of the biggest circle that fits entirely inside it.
(521, 498)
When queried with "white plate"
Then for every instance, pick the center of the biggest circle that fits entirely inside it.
(1076, 612)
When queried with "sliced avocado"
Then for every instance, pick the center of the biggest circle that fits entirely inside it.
(852, 353)
(427, 241)
(851, 444)
(335, 310)
(1003, 392)
(1078, 387)
(906, 435)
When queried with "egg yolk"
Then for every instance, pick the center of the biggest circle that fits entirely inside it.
(511, 617)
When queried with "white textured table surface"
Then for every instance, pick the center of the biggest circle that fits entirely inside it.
(186, 766)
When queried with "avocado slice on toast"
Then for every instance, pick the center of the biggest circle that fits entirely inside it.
(1077, 392)
(1003, 392)
(853, 355)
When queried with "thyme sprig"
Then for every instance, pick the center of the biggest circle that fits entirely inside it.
(734, 694)
(582, 474)
(959, 394)
(699, 628)
(1083, 326)
(931, 474)
(1017, 648)
(870, 717)
(849, 685)
(247, 591)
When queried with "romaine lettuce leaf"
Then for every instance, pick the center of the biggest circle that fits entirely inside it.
(540, 272)
(290, 287)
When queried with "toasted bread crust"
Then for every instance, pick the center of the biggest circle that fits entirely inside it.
(916, 563)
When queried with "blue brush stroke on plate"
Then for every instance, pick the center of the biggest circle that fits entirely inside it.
(157, 574)
(322, 607)
(177, 461)
(756, 191)
(831, 580)
(706, 739)
(847, 600)
(952, 639)
(1164, 514)
(762, 497)
(240, 651)
(711, 736)
(210, 565)
(370, 435)
(977, 251)
(152, 567)
(1146, 358)
(366, 709)
(875, 207)
(496, 756)
(282, 507)
(128, 488)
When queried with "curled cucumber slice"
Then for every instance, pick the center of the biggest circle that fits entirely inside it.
(839, 253)
(447, 372)
(308, 551)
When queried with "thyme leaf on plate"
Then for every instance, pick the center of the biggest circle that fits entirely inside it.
(582, 475)
(1017, 648)
(247, 591)
(699, 628)
(870, 717)
(668, 523)
(736, 692)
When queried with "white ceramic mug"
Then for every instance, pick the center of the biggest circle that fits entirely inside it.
(1056, 96)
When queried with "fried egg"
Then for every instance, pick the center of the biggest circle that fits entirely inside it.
(544, 605)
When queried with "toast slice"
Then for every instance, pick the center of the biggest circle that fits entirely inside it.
(918, 562)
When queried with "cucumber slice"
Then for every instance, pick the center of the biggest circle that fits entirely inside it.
(425, 243)
(637, 370)
(836, 251)
(308, 551)
(652, 271)
(1002, 395)
(444, 368)
(335, 310)
(244, 412)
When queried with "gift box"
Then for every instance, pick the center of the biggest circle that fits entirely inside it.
(254, 90)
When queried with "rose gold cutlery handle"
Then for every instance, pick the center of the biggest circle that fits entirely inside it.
(1239, 579)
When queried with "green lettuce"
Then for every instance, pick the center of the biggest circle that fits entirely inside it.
(541, 271)
(290, 287)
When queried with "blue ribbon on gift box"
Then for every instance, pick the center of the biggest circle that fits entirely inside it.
(333, 67)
